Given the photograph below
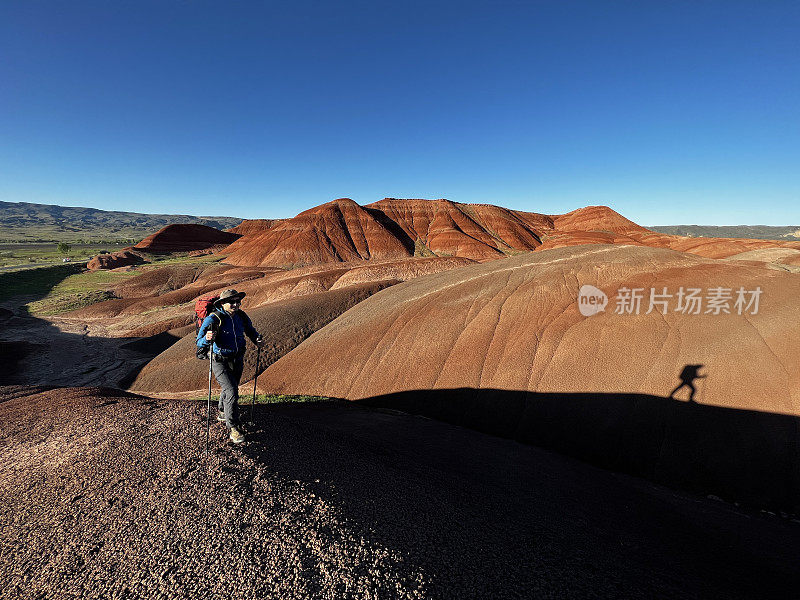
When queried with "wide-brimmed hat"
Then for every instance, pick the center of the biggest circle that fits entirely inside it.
(229, 295)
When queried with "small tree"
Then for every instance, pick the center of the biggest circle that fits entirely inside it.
(63, 247)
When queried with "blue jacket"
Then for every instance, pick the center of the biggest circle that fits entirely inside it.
(230, 329)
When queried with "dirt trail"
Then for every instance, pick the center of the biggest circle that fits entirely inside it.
(107, 495)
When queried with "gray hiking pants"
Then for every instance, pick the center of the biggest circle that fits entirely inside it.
(228, 372)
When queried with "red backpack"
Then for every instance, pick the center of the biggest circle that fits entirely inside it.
(202, 308)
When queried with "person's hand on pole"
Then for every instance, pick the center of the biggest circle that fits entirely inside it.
(211, 335)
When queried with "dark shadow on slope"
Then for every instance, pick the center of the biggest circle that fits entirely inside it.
(155, 343)
(740, 455)
(25, 339)
(35, 352)
(508, 520)
(149, 347)
(392, 228)
(120, 362)
(12, 355)
(35, 283)
(475, 516)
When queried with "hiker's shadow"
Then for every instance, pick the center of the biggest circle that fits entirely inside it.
(688, 376)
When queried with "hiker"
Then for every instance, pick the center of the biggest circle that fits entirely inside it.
(687, 377)
(224, 330)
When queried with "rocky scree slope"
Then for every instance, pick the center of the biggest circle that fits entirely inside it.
(109, 495)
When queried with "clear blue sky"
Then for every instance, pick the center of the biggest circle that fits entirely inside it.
(669, 112)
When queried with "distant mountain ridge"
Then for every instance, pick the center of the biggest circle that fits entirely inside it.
(24, 221)
(754, 232)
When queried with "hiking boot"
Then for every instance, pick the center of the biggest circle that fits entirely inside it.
(220, 416)
(237, 437)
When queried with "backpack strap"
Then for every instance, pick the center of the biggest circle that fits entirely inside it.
(215, 313)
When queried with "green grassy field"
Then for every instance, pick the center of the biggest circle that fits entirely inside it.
(78, 290)
(35, 282)
(60, 288)
(271, 399)
(18, 256)
(43, 233)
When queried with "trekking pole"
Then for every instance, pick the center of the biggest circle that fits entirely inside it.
(255, 379)
(208, 412)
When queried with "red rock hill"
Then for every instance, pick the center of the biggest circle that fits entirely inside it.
(251, 226)
(476, 231)
(185, 237)
(342, 231)
(338, 231)
(113, 260)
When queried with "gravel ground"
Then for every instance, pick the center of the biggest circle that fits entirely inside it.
(109, 495)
